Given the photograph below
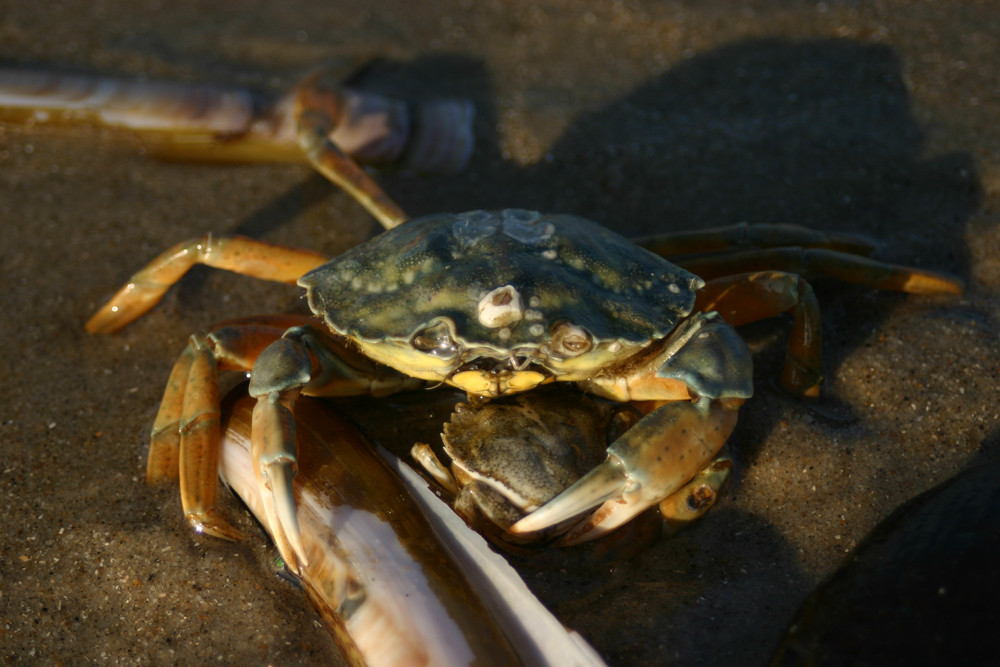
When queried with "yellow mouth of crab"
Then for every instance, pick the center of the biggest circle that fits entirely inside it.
(489, 371)
(484, 383)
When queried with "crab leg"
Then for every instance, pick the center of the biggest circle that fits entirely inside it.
(694, 499)
(239, 254)
(843, 266)
(233, 346)
(199, 450)
(741, 299)
(442, 139)
(313, 131)
(304, 360)
(185, 437)
(743, 235)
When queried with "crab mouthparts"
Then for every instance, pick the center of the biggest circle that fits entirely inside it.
(490, 377)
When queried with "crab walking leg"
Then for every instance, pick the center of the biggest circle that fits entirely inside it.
(745, 298)
(305, 360)
(844, 266)
(163, 462)
(234, 346)
(744, 235)
(199, 448)
(185, 438)
(694, 499)
(234, 253)
(314, 127)
(437, 138)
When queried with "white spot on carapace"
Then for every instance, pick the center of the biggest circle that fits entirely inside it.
(533, 315)
(534, 302)
(503, 334)
(673, 288)
(536, 329)
(549, 254)
(356, 283)
(501, 307)
(408, 276)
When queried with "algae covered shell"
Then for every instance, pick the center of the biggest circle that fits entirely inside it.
(547, 269)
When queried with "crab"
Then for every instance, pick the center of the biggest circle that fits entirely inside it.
(497, 303)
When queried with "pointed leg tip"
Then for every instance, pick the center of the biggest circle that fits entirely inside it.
(102, 322)
(214, 525)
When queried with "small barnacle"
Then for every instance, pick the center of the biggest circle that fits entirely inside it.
(500, 307)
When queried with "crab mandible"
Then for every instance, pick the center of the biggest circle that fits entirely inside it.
(494, 303)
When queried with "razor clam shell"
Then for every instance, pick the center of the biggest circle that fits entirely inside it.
(219, 123)
(131, 104)
(394, 579)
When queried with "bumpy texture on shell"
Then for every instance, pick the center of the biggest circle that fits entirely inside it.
(561, 268)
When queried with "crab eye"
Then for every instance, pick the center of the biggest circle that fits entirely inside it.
(570, 340)
(434, 339)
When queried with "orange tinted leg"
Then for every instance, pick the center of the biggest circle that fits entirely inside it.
(744, 236)
(755, 296)
(318, 111)
(233, 253)
(843, 266)
(185, 438)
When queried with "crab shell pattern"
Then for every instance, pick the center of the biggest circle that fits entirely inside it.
(483, 298)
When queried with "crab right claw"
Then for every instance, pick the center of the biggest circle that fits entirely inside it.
(649, 463)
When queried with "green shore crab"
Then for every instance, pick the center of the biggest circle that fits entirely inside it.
(497, 303)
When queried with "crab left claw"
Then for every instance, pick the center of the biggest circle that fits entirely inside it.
(648, 464)
(654, 459)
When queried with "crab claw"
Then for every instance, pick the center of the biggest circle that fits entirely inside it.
(646, 465)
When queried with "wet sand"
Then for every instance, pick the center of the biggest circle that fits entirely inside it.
(851, 117)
